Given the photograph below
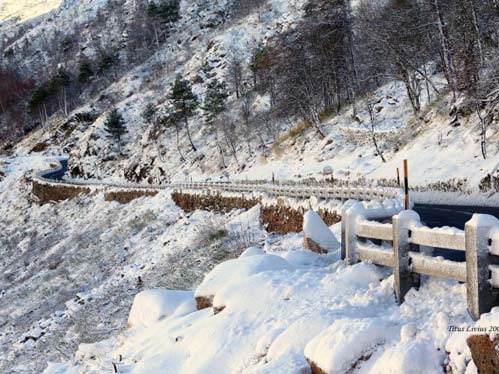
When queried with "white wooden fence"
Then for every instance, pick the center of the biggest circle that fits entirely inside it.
(367, 236)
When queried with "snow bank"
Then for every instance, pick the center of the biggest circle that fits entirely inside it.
(236, 270)
(346, 342)
(152, 305)
(314, 228)
(249, 220)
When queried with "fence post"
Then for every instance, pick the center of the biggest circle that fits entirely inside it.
(480, 294)
(343, 233)
(404, 279)
(349, 233)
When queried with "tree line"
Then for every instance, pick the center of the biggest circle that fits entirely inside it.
(337, 54)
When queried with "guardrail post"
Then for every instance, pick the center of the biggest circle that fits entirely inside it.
(480, 294)
(404, 279)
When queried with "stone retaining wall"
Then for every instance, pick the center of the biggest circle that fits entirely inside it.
(48, 192)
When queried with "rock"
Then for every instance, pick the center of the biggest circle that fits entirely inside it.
(311, 245)
(485, 353)
(317, 235)
(233, 271)
(316, 369)
(203, 302)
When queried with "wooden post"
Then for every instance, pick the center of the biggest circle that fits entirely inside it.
(406, 185)
(398, 177)
(480, 294)
(404, 280)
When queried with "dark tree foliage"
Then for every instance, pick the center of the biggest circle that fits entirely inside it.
(149, 113)
(115, 127)
(50, 89)
(215, 100)
(14, 91)
(108, 59)
(168, 11)
(85, 71)
(185, 103)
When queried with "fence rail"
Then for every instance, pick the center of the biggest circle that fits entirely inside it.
(54, 176)
(397, 245)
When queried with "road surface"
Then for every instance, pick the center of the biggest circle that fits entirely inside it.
(453, 216)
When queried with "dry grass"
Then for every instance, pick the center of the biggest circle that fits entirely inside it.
(276, 219)
(292, 133)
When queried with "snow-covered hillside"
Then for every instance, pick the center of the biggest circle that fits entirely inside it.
(435, 146)
(70, 271)
(23, 10)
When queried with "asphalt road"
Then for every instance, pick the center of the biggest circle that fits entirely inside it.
(449, 215)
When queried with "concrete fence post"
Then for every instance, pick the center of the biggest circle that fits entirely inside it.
(404, 279)
(349, 233)
(344, 234)
(480, 294)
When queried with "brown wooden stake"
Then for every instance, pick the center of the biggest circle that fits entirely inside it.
(406, 185)
(398, 177)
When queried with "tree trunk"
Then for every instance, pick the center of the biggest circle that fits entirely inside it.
(182, 158)
(189, 134)
(444, 46)
(477, 30)
(220, 149)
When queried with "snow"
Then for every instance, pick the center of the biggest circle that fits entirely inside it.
(338, 348)
(151, 305)
(314, 228)
(26, 9)
(71, 272)
(274, 315)
(483, 220)
(239, 269)
(252, 251)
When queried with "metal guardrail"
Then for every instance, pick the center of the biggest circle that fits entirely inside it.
(399, 249)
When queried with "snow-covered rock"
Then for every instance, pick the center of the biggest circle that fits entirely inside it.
(317, 235)
(236, 270)
(151, 305)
